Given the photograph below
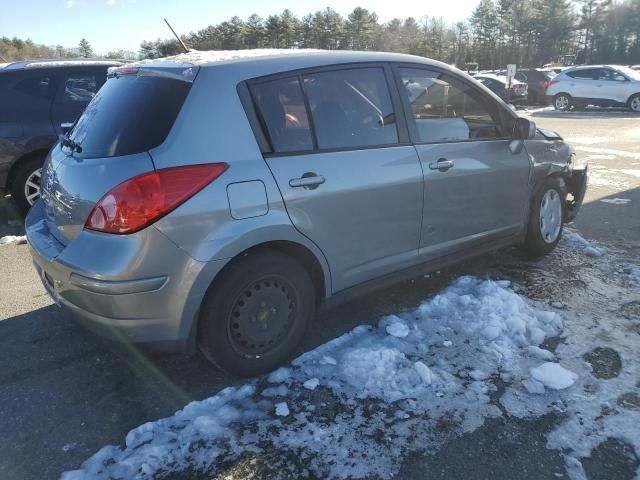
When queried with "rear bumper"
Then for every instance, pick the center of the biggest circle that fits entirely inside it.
(140, 288)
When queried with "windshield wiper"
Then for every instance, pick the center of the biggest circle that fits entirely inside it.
(65, 141)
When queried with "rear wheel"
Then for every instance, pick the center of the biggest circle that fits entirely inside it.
(545, 221)
(257, 313)
(634, 103)
(562, 101)
(25, 185)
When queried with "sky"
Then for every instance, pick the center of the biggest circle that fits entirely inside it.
(123, 24)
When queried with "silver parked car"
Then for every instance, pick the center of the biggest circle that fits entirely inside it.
(218, 199)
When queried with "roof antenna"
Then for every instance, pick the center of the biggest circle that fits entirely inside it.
(186, 50)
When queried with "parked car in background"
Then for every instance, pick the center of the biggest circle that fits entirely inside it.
(330, 174)
(517, 93)
(600, 85)
(36, 97)
(537, 80)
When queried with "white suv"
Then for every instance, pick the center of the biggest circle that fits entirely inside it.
(602, 85)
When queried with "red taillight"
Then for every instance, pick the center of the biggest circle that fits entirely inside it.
(553, 80)
(543, 84)
(140, 201)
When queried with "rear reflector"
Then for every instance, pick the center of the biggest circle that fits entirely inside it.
(142, 200)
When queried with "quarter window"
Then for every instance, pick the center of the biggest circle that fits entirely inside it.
(351, 108)
(281, 105)
(445, 109)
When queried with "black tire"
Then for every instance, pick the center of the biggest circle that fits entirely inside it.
(256, 313)
(535, 243)
(634, 103)
(25, 169)
(562, 102)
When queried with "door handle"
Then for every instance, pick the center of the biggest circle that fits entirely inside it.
(442, 164)
(308, 181)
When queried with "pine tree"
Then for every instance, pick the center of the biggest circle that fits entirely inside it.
(85, 48)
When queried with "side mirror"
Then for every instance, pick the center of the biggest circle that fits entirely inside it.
(524, 129)
(66, 127)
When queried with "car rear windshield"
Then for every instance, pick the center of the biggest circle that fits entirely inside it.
(129, 114)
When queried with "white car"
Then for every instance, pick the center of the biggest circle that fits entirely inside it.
(601, 85)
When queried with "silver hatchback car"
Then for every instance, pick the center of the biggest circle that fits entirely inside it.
(216, 199)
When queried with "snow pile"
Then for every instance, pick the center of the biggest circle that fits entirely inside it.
(398, 378)
(577, 241)
(19, 239)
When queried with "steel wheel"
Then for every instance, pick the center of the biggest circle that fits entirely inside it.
(550, 216)
(562, 102)
(32, 186)
(261, 318)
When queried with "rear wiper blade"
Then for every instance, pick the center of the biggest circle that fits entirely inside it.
(65, 141)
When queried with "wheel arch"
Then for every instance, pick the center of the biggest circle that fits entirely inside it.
(310, 258)
(15, 166)
(539, 181)
(631, 97)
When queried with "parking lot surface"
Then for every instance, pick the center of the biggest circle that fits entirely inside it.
(64, 393)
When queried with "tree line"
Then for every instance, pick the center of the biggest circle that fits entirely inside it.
(525, 32)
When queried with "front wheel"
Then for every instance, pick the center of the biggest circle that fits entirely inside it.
(25, 186)
(634, 103)
(562, 102)
(545, 221)
(257, 313)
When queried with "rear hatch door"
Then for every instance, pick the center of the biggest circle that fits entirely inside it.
(131, 114)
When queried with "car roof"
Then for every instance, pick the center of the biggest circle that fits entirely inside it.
(281, 59)
(59, 63)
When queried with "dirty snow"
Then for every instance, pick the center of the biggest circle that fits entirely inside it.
(7, 239)
(577, 241)
(416, 375)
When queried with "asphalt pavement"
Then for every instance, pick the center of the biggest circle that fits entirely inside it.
(65, 393)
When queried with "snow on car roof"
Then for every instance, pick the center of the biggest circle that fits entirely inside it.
(57, 63)
(197, 57)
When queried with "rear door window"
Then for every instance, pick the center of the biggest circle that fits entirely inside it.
(584, 74)
(351, 108)
(281, 105)
(39, 86)
(129, 114)
(445, 109)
